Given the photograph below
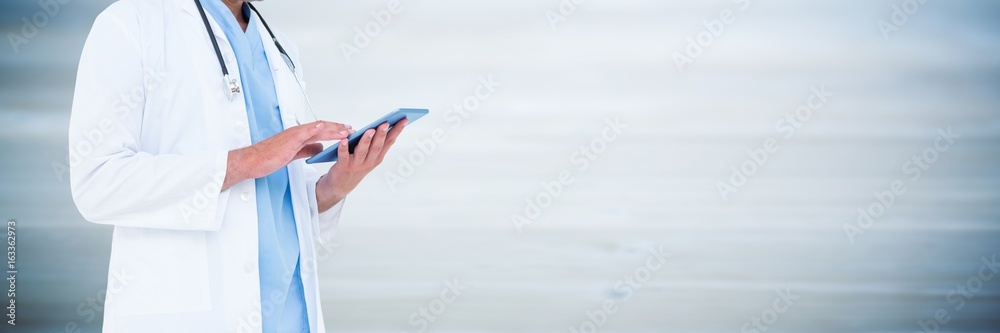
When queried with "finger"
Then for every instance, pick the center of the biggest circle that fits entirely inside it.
(338, 126)
(390, 139)
(394, 133)
(361, 151)
(377, 142)
(330, 131)
(309, 150)
(343, 156)
(303, 133)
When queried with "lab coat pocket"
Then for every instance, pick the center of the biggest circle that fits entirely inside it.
(157, 271)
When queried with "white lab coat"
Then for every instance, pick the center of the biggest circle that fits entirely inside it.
(150, 130)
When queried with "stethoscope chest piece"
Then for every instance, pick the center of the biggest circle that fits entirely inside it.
(233, 87)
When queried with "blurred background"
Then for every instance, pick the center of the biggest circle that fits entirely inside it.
(750, 135)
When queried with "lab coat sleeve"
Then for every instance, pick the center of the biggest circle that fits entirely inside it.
(325, 223)
(113, 181)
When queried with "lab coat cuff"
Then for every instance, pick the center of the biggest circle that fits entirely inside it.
(325, 223)
(222, 201)
(206, 208)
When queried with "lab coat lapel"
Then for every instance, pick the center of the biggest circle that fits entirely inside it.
(290, 99)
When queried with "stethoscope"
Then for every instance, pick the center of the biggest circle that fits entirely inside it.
(232, 88)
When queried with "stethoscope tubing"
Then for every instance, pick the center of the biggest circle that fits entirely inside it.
(232, 87)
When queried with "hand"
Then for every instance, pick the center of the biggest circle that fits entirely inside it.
(266, 157)
(350, 169)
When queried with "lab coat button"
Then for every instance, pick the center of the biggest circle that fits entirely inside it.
(249, 266)
(238, 124)
(245, 196)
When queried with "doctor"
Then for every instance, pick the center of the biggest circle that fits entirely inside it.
(187, 132)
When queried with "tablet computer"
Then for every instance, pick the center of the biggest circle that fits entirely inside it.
(330, 153)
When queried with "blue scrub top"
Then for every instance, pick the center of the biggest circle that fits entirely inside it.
(283, 306)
